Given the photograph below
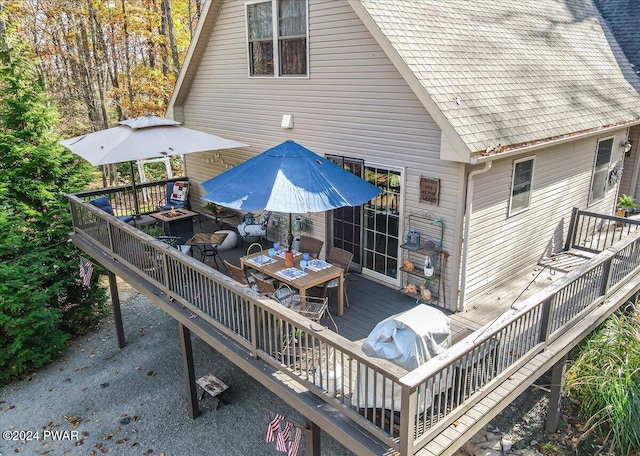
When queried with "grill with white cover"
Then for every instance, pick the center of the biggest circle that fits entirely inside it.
(408, 339)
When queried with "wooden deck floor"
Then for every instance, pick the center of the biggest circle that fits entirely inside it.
(372, 302)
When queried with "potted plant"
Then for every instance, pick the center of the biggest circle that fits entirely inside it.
(213, 208)
(626, 205)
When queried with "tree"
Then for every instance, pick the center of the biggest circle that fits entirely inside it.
(42, 300)
(106, 60)
(116, 58)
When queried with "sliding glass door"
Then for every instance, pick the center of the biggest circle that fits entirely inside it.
(371, 231)
(346, 222)
(381, 223)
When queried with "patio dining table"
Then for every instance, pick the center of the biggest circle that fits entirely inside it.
(311, 278)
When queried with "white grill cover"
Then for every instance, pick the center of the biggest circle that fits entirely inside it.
(408, 339)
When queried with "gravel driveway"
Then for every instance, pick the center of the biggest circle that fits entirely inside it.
(101, 400)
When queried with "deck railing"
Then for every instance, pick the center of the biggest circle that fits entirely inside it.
(307, 352)
(403, 409)
(151, 196)
(491, 354)
(593, 232)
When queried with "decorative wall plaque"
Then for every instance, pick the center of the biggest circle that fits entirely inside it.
(430, 190)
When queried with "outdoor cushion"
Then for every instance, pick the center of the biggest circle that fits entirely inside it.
(254, 231)
(177, 193)
(102, 202)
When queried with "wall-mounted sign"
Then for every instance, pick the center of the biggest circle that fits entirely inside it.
(430, 190)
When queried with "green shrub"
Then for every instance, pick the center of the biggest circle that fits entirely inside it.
(605, 381)
(42, 300)
(30, 332)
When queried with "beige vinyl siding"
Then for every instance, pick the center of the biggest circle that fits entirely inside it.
(354, 103)
(501, 246)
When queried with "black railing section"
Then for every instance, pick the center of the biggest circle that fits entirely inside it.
(152, 196)
(594, 232)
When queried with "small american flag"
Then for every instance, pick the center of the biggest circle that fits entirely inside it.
(86, 270)
(283, 438)
(295, 444)
(272, 427)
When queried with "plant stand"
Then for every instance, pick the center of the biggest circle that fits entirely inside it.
(431, 229)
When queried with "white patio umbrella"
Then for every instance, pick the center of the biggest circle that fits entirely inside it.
(147, 136)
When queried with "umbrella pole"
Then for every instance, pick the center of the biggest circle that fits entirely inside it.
(135, 193)
(290, 235)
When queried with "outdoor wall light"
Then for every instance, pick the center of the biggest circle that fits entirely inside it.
(625, 145)
(287, 121)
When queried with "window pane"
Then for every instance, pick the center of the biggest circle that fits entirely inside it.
(292, 33)
(599, 185)
(604, 153)
(293, 56)
(292, 18)
(259, 20)
(261, 57)
(601, 170)
(522, 173)
(521, 190)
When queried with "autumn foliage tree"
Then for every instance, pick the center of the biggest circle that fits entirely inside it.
(105, 60)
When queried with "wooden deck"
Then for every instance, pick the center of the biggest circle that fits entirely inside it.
(237, 322)
(372, 302)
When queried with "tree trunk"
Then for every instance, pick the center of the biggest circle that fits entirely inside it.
(86, 72)
(168, 17)
(127, 57)
(99, 52)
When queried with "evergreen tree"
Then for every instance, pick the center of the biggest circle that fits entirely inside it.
(42, 300)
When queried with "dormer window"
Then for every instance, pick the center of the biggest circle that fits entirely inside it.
(277, 34)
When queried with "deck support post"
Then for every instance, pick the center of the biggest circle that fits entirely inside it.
(409, 407)
(555, 396)
(117, 314)
(571, 231)
(312, 438)
(189, 371)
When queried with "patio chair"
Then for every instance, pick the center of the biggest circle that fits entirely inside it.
(342, 259)
(175, 242)
(240, 276)
(310, 245)
(102, 202)
(283, 294)
(251, 230)
(177, 194)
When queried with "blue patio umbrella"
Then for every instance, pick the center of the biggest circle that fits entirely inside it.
(288, 178)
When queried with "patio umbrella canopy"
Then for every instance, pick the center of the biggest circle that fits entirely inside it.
(142, 137)
(288, 178)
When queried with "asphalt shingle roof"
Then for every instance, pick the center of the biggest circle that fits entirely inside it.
(623, 18)
(511, 72)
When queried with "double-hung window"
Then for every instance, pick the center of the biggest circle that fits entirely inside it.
(601, 170)
(521, 185)
(277, 38)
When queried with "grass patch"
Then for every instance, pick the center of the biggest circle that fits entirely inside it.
(605, 381)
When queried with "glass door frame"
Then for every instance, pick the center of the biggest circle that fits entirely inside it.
(379, 277)
(329, 234)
